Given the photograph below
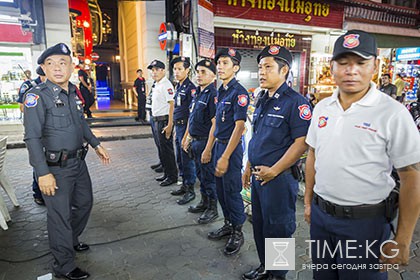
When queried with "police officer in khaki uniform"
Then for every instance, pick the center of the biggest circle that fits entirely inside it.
(55, 130)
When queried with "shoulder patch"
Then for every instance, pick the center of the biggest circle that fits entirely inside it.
(170, 91)
(305, 112)
(242, 100)
(31, 100)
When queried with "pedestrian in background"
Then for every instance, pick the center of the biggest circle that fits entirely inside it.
(139, 89)
(24, 88)
(184, 93)
(231, 114)
(162, 111)
(85, 89)
(280, 124)
(400, 84)
(200, 139)
(386, 86)
(356, 136)
(55, 131)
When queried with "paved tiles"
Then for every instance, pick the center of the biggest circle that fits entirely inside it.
(136, 230)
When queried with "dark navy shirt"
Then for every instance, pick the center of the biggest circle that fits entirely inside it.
(232, 105)
(27, 85)
(202, 111)
(277, 122)
(183, 97)
(140, 85)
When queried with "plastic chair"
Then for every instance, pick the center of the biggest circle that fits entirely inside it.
(4, 183)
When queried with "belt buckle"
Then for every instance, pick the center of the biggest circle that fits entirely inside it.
(347, 212)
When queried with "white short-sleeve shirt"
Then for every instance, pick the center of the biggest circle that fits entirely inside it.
(356, 149)
(162, 94)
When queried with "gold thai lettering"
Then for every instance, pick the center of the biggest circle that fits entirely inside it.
(308, 8)
(300, 6)
(239, 38)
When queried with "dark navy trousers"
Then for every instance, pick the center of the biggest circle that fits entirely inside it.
(229, 186)
(205, 172)
(330, 231)
(273, 211)
(186, 165)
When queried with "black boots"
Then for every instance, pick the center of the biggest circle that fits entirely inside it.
(201, 206)
(179, 191)
(236, 240)
(188, 196)
(218, 234)
(256, 274)
(210, 214)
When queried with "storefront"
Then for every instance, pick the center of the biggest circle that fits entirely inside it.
(408, 64)
(307, 28)
(251, 42)
(21, 33)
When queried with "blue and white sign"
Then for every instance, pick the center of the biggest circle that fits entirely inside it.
(408, 53)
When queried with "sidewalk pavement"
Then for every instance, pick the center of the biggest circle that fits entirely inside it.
(136, 230)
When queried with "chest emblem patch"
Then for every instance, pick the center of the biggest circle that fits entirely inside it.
(215, 100)
(193, 92)
(322, 121)
(31, 100)
(242, 100)
(305, 112)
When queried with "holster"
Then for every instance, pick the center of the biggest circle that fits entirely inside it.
(85, 151)
(391, 204)
(296, 172)
(53, 158)
(190, 152)
(64, 158)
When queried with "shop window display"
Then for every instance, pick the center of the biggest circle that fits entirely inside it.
(321, 82)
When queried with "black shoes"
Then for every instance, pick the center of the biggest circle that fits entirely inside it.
(76, 274)
(224, 231)
(81, 247)
(188, 196)
(154, 166)
(167, 182)
(159, 169)
(201, 206)
(39, 201)
(210, 214)
(236, 240)
(179, 191)
(161, 178)
(256, 274)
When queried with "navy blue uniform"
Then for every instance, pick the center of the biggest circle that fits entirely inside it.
(87, 95)
(203, 110)
(232, 106)
(183, 97)
(277, 122)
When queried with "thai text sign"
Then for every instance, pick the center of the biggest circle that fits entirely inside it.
(313, 13)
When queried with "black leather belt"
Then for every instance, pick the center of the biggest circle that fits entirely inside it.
(350, 212)
(226, 141)
(181, 121)
(199, 138)
(69, 155)
(161, 118)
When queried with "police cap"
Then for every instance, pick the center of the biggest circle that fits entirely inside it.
(156, 63)
(208, 64)
(355, 41)
(39, 71)
(277, 52)
(60, 49)
(183, 59)
(228, 52)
